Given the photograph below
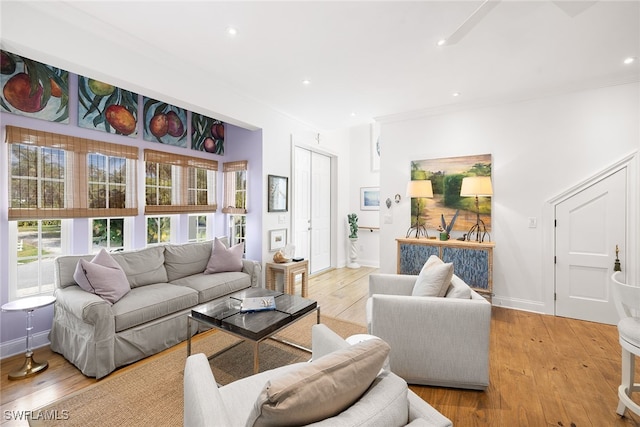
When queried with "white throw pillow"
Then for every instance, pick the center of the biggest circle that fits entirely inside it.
(458, 289)
(320, 389)
(434, 278)
(223, 259)
(102, 276)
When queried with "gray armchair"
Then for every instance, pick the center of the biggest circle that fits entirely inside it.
(434, 341)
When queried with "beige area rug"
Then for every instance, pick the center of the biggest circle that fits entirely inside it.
(152, 393)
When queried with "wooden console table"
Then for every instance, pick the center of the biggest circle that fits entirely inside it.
(472, 261)
(289, 271)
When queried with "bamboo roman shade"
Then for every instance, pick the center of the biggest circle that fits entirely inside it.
(235, 187)
(179, 184)
(53, 176)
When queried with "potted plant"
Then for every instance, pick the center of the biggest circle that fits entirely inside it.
(444, 228)
(353, 237)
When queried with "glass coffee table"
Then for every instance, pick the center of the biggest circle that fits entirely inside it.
(224, 314)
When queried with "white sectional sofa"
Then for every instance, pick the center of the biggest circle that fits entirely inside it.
(166, 282)
(386, 402)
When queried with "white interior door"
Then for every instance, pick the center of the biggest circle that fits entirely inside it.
(302, 203)
(320, 212)
(589, 225)
(312, 208)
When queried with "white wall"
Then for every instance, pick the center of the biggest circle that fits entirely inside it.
(540, 149)
(362, 175)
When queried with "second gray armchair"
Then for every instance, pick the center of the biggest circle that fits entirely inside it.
(439, 341)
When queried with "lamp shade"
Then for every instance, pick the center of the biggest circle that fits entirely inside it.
(420, 188)
(476, 186)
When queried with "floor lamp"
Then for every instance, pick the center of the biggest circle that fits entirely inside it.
(476, 186)
(418, 190)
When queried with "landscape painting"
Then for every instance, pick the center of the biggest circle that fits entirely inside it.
(446, 176)
(33, 89)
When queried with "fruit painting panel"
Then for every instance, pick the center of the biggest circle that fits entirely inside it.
(104, 107)
(207, 134)
(33, 89)
(164, 123)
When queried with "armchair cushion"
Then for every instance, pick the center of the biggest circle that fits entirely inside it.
(321, 389)
(434, 278)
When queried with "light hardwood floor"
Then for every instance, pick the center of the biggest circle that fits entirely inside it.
(545, 370)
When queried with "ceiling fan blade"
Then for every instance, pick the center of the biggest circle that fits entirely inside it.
(486, 7)
(574, 8)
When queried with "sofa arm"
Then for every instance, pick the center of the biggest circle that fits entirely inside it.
(203, 404)
(435, 341)
(391, 284)
(87, 307)
(253, 269)
(421, 410)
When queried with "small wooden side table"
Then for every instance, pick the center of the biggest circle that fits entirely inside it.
(29, 304)
(289, 272)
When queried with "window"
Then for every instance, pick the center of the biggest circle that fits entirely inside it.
(59, 176)
(107, 181)
(237, 228)
(235, 187)
(158, 230)
(38, 243)
(179, 184)
(107, 233)
(197, 228)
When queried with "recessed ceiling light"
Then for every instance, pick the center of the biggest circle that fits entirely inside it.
(353, 114)
(629, 60)
(232, 31)
(455, 94)
(441, 42)
(306, 82)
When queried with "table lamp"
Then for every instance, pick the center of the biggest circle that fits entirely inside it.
(476, 186)
(418, 190)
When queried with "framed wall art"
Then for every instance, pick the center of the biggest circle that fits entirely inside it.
(370, 198)
(446, 175)
(277, 239)
(278, 188)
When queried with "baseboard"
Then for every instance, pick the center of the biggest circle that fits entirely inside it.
(369, 263)
(519, 304)
(19, 345)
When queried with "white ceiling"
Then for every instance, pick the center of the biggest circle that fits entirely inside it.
(379, 58)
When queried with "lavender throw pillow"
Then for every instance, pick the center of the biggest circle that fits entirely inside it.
(224, 259)
(102, 276)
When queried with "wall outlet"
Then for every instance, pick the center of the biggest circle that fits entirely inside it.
(282, 219)
(533, 222)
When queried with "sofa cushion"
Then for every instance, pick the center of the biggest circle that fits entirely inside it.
(320, 389)
(150, 302)
(458, 289)
(102, 276)
(225, 259)
(186, 259)
(434, 278)
(144, 266)
(212, 286)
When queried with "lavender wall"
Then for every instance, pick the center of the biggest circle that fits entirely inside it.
(239, 144)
